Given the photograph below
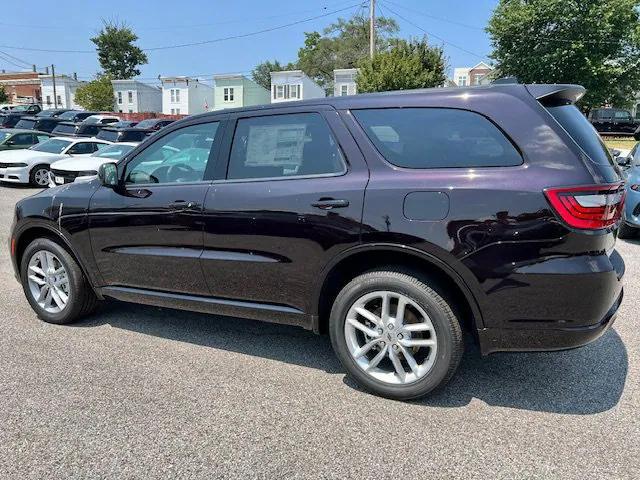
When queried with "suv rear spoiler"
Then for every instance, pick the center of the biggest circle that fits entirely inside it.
(551, 95)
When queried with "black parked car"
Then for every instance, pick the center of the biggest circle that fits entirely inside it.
(154, 123)
(613, 121)
(11, 119)
(66, 129)
(42, 124)
(112, 134)
(123, 124)
(75, 116)
(391, 221)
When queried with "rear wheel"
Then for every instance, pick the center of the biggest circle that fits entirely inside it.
(39, 176)
(54, 283)
(395, 335)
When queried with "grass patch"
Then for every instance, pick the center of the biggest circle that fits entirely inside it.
(625, 143)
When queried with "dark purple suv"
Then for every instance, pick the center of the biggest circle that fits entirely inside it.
(394, 222)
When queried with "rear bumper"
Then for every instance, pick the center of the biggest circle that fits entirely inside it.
(545, 339)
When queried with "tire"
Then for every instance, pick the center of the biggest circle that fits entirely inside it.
(625, 231)
(35, 176)
(81, 299)
(385, 379)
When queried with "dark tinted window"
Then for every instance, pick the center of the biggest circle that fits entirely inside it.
(284, 146)
(147, 123)
(70, 115)
(437, 138)
(132, 136)
(83, 148)
(23, 139)
(582, 132)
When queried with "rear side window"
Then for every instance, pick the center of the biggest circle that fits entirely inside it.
(437, 138)
(582, 132)
(284, 146)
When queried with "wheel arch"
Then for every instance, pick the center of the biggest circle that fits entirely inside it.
(42, 229)
(364, 258)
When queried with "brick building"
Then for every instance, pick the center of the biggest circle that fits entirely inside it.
(22, 87)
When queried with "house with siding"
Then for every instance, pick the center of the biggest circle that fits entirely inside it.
(185, 96)
(344, 82)
(479, 74)
(236, 90)
(132, 96)
(292, 85)
(65, 92)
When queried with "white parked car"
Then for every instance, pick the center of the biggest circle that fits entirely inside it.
(83, 168)
(32, 165)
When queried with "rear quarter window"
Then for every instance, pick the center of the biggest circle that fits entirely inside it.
(437, 138)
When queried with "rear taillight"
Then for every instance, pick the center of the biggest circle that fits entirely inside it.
(589, 207)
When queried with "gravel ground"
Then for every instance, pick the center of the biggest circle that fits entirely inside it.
(140, 392)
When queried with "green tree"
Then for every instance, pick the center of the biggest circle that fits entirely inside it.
(261, 74)
(594, 43)
(96, 94)
(3, 95)
(117, 54)
(405, 65)
(341, 45)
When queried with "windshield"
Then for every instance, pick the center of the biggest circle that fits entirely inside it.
(4, 136)
(26, 123)
(146, 124)
(20, 108)
(55, 145)
(68, 115)
(114, 152)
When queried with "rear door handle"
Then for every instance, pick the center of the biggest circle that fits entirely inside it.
(330, 203)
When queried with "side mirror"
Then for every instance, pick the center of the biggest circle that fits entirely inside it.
(10, 143)
(623, 161)
(108, 174)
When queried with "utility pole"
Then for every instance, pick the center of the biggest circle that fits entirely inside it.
(372, 28)
(53, 79)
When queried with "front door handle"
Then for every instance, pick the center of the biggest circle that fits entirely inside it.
(330, 203)
(182, 205)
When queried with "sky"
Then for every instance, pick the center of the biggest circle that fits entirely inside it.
(457, 25)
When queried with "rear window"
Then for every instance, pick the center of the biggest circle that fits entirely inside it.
(62, 128)
(109, 135)
(437, 138)
(582, 132)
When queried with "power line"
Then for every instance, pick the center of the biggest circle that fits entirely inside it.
(441, 19)
(483, 57)
(193, 44)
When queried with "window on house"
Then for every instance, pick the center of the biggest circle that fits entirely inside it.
(344, 90)
(294, 91)
(130, 110)
(48, 99)
(173, 111)
(177, 95)
(177, 111)
(477, 77)
(173, 95)
(462, 81)
(59, 100)
(130, 96)
(119, 98)
(279, 91)
(284, 146)
(228, 94)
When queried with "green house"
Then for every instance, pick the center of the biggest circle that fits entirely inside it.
(236, 90)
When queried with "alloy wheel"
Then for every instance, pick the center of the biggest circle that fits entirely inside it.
(48, 281)
(391, 337)
(41, 176)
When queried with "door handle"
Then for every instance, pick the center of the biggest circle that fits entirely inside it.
(182, 205)
(330, 203)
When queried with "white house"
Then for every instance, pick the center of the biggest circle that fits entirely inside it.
(65, 92)
(185, 96)
(479, 74)
(132, 96)
(236, 90)
(293, 85)
(344, 82)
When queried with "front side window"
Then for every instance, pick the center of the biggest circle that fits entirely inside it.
(437, 138)
(23, 139)
(54, 145)
(113, 152)
(284, 146)
(622, 115)
(181, 156)
(83, 148)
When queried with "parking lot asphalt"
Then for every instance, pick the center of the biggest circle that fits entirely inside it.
(142, 392)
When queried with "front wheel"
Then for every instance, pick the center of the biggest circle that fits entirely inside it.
(395, 335)
(39, 176)
(54, 283)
